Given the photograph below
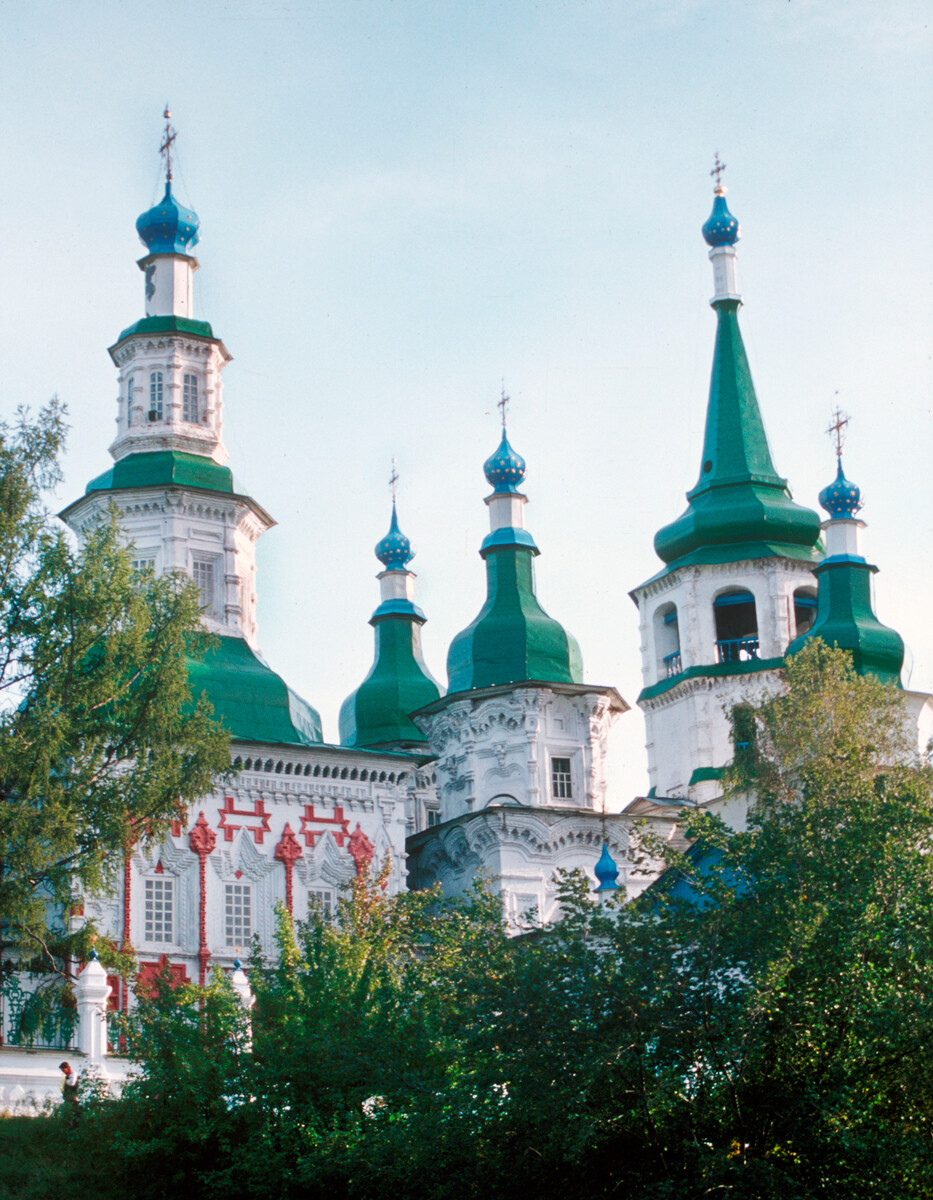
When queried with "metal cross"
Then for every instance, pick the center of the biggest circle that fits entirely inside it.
(717, 171)
(503, 404)
(167, 142)
(837, 429)
(393, 482)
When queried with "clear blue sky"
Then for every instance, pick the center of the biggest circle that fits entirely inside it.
(403, 203)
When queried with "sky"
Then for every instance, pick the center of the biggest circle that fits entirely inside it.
(406, 205)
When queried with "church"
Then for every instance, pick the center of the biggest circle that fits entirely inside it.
(500, 774)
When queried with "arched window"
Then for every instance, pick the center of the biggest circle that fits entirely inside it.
(804, 609)
(129, 401)
(155, 396)
(189, 399)
(667, 641)
(736, 627)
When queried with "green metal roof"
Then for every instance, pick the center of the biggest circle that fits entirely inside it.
(253, 702)
(512, 639)
(845, 618)
(711, 670)
(377, 713)
(168, 325)
(740, 507)
(161, 468)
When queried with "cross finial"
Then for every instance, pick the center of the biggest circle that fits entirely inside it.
(393, 483)
(837, 427)
(716, 173)
(168, 140)
(503, 404)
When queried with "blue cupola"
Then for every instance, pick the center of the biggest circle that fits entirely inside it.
(606, 872)
(722, 228)
(169, 227)
(394, 551)
(841, 498)
(504, 470)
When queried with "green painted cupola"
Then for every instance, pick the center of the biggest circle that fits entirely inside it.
(844, 615)
(512, 640)
(376, 715)
(740, 507)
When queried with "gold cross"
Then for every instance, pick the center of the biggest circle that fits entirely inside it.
(167, 142)
(393, 482)
(503, 404)
(717, 171)
(836, 429)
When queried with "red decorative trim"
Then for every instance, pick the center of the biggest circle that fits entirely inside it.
(202, 841)
(361, 849)
(338, 825)
(127, 897)
(149, 971)
(288, 852)
(77, 908)
(258, 811)
(159, 869)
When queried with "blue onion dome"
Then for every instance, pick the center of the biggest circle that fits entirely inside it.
(606, 871)
(394, 551)
(169, 227)
(722, 229)
(505, 469)
(841, 498)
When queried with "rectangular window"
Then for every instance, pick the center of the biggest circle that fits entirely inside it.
(560, 779)
(202, 572)
(323, 898)
(129, 401)
(145, 562)
(189, 399)
(155, 396)
(238, 914)
(159, 910)
(434, 818)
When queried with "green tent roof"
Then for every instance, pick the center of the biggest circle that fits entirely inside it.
(168, 325)
(740, 507)
(253, 702)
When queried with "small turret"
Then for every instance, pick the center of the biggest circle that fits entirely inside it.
(376, 715)
(844, 615)
(512, 639)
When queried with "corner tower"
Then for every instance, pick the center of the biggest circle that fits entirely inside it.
(519, 740)
(845, 615)
(737, 585)
(179, 503)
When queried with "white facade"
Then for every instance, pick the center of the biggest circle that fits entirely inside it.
(688, 698)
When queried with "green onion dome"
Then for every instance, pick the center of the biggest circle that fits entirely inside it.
(512, 639)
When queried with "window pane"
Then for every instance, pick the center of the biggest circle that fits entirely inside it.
(560, 778)
(159, 910)
(155, 396)
(189, 403)
(238, 920)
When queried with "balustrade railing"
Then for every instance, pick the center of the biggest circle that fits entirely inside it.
(43, 1017)
(732, 650)
(672, 664)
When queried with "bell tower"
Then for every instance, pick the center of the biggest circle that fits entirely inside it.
(737, 583)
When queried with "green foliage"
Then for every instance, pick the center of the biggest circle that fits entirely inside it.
(99, 743)
(756, 1025)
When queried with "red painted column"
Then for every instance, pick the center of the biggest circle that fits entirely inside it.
(202, 840)
(127, 897)
(288, 852)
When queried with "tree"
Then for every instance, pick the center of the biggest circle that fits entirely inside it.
(99, 741)
(757, 1024)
